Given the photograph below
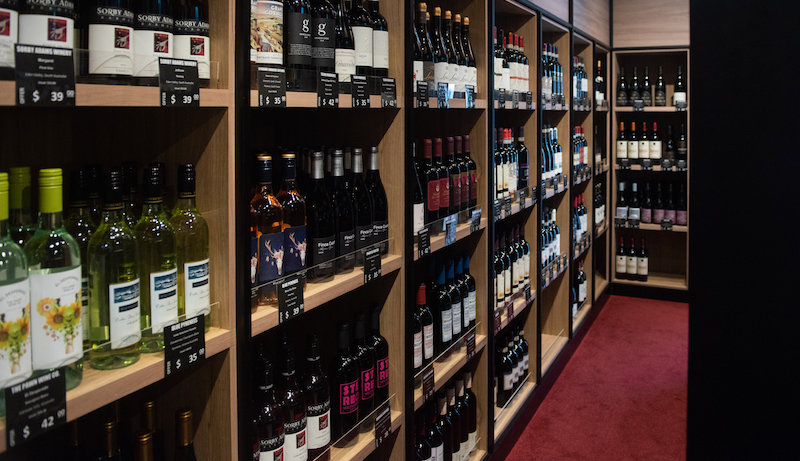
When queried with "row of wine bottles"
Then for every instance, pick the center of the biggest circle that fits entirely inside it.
(551, 153)
(579, 290)
(511, 163)
(637, 145)
(124, 39)
(442, 52)
(447, 429)
(446, 308)
(551, 238)
(632, 263)
(627, 93)
(580, 218)
(76, 286)
(599, 205)
(580, 82)
(298, 418)
(512, 364)
(552, 74)
(580, 152)
(652, 207)
(512, 265)
(511, 67)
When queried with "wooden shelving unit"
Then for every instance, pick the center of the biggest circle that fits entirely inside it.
(447, 366)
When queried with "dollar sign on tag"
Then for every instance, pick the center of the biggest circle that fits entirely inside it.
(173, 99)
(26, 432)
(36, 96)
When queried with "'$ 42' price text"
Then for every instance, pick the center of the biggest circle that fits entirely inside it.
(47, 422)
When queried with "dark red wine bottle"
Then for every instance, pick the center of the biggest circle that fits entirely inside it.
(269, 418)
(380, 347)
(344, 376)
(380, 205)
(294, 409)
(316, 391)
(366, 367)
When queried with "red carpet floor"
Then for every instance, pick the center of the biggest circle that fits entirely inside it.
(622, 396)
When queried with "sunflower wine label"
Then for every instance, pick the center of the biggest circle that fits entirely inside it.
(56, 304)
(15, 327)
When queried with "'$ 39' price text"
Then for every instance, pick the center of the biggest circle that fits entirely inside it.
(55, 96)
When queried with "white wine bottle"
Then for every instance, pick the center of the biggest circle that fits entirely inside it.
(113, 285)
(191, 232)
(158, 270)
(54, 265)
(15, 305)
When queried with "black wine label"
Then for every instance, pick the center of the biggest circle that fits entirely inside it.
(160, 22)
(318, 409)
(271, 87)
(293, 427)
(348, 397)
(422, 95)
(367, 384)
(475, 224)
(323, 50)
(647, 97)
(380, 235)
(179, 82)
(35, 406)
(111, 15)
(515, 99)
(363, 236)
(184, 345)
(294, 246)
(298, 38)
(270, 257)
(346, 249)
(529, 100)
(469, 96)
(661, 98)
(45, 76)
(323, 252)
(382, 370)
(441, 94)
(290, 297)
(622, 98)
(63, 8)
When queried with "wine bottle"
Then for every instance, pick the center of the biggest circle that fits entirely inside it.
(361, 23)
(444, 314)
(365, 357)
(114, 284)
(622, 142)
(463, 166)
(634, 210)
(266, 239)
(659, 209)
(669, 150)
(622, 89)
(95, 188)
(622, 261)
(455, 177)
(444, 426)
(670, 212)
(679, 95)
(8, 37)
(143, 443)
(622, 202)
(191, 234)
(158, 270)
(681, 217)
(316, 391)
(633, 144)
(54, 268)
(321, 225)
(21, 227)
(417, 335)
(432, 433)
(455, 421)
(432, 187)
(457, 306)
(471, 403)
(423, 60)
(661, 89)
(152, 38)
(110, 450)
(423, 447)
(76, 451)
(441, 62)
(642, 264)
(682, 147)
(647, 205)
(581, 284)
(644, 143)
(294, 407)
(343, 218)
(461, 56)
(294, 218)
(380, 205)
(269, 417)
(632, 261)
(426, 329)
(380, 347)
(191, 36)
(149, 424)
(418, 214)
(184, 435)
(452, 57)
(645, 90)
(267, 33)
(107, 27)
(380, 41)
(345, 377)
(471, 63)
(633, 92)
(80, 226)
(473, 174)
(298, 42)
(505, 377)
(345, 52)
(323, 42)
(463, 288)
(599, 84)
(655, 144)
(15, 308)
(461, 407)
(499, 277)
(362, 207)
(132, 206)
(47, 24)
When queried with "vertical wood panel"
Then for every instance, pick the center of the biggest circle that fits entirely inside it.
(651, 23)
(593, 18)
(558, 8)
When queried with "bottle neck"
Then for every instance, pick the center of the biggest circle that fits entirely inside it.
(50, 221)
(20, 216)
(153, 208)
(186, 203)
(265, 189)
(3, 229)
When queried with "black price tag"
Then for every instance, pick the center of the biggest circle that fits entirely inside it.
(388, 93)
(638, 105)
(35, 406)
(498, 210)
(564, 264)
(450, 229)
(681, 106)
(515, 99)
(383, 424)
(647, 164)
(666, 164)
(422, 95)
(666, 224)
(529, 100)
(633, 223)
(507, 205)
(475, 224)
(271, 87)
(428, 386)
(290, 297)
(544, 188)
(510, 311)
(184, 344)
(501, 98)
(45, 76)
(423, 242)
(327, 90)
(522, 196)
(620, 223)
(497, 322)
(360, 91)
(527, 294)
(469, 96)
(624, 164)
(179, 82)
(372, 264)
(681, 165)
(441, 95)
(470, 345)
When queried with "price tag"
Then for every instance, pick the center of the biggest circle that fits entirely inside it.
(290, 297)
(624, 164)
(620, 223)
(510, 311)
(564, 264)
(522, 197)
(470, 345)
(383, 424)
(681, 106)
(422, 95)
(528, 294)
(441, 95)
(681, 165)
(372, 264)
(515, 99)
(360, 91)
(271, 87)
(497, 322)
(179, 82)
(475, 225)
(507, 205)
(633, 223)
(327, 89)
(423, 242)
(35, 406)
(647, 164)
(638, 105)
(45, 76)
(388, 93)
(666, 224)
(544, 188)
(501, 98)
(428, 384)
(450, 229)
(469, 96)
(666, 164)
(529, 100)
(184, 344)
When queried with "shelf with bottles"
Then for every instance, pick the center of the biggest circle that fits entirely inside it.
(581, 245)
(296, 99)
(556, 186)
(655, 260)
(581, 73)
(555, 67)
(518, 306)
(522, 199)
(659, 207)
(665, 91)
(515, 71)
(505, 417)
(656, 144)
(441, 238)
(514, 364)
(522, 103)
(658, 280)
(665, 225)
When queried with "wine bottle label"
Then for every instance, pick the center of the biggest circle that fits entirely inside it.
(682, 150)
(367, 384)
(631, 264)
(427, 338)
(323, 252)
(363, 39)
(319, 427)
(680, 217)
(646, 215)
(633, 149)
(271, 449)
(253, 262)
(15, 332)
(345, 64)
(506, 75)
(641, 266)
(110, 36)
(419, 217)
(644, 149)
(194, 46)
(433, 196)
(658, 215)
(382, 371)
(456, 322)
(527, 266)
(439, 452)
(473, 188)
(500, 290)
(444, 194)
(622, 98)
(380, 49)
(9, 20)
(465, 314)
(507, 281)
(634, 213)
(582, 292)
(298, 35)
(508, 380)
(123, 314)
(152, 39)
(348, 397)
(294, 246)
(458, 77)
(622, 264)
(465, 192)
(671, 215)
(526, 361)
(363, 236)
(267, 36)
(498, 73)
(575, 308)
(678, 97)
(622, 212)
(655, 149)
(322, 52)
(270, 257)
(447, 324)
(455, 190)
(85, 306)
(295, 447)
(380, 233)
(163, 299)
(417, 350)
(197, 288)
(418, 73)
(473, 77)
(56, 330)
(440, 73)
(472, 301)
(347, 246)
(53, 27)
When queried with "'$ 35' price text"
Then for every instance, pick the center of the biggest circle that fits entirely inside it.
(192, 358)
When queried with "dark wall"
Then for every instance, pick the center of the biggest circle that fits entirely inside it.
(744, 321)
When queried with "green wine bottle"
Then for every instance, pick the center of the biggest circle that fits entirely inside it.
(54, 265)
(80, 226)
(158, 272)
(130, 211)
(15, 305)
(191, 232)
(21, 220)
(114, 325)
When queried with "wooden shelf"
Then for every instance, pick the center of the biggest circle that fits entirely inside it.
(530, 202)
(317, 294)
(659, 280)
(657, 227)
(551, 348)
(364, 443)
(655, 168)
(550, 192)
(600, 285)
(520, 304)
(649, 109)
(298, 99)
(549, 107)
(506, 415)
(577, 321)
(602, 230)
(454, 104)
(523, 105)
(462, 231)
(444, 369)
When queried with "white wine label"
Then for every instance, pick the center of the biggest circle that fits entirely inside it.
(508, 380)
(295, 446)
(634, 213)
(56, 330)
(124, 313)
(197, 288)
(380, 49)
(678, 97)
(38, 29)
(622, 149)
(458, 78)
(447, 325)
(268, 33)
(363, 39)
(319, 427)
(110, 41)
(345, 63)
(644, 149)
(655, 149)
(507, 282)
(8, 36)
(506, 74)
(631, 265)
(15, 333)
(641, 266)
(633, 149)
(457, 313)
(438, 452)
(622, 265)
(271, 449)
(427, 341)
(440, 72)
(473, 440)
(498, 73)
(149, 45)
(419, 217)
(622, 212)
(582, 292)
(472, 300)
(195, 47)
(417, 350)
(473, 77)
(163, 299)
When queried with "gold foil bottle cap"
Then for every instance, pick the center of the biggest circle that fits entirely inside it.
(457, 18)
(448, 14)
(143, 440)
(422, 7)
(437, 11)
(466, 20)
(183, 421)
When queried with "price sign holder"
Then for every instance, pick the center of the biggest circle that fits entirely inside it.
(666, 224)
(360, 91)
(681, 106)
(470, 345)
(633, 223)
(624, 164)
(522, 196)
(544, 189)
(271, 87)
(528, 294)
(179, 82)
(428, 387)
(475, 224)
(666, 164)
(497, 322)
(638, 105)
(290, 297)
(327, 89)
(450, 230)
(510, 311)
(515, 99)
(184, 344)
(45, 76)
(620, 223)
(682, 165)
(507, 205)
(469, 96)
(441, 95)
(498, 210)
(422, 95)
(501, 98)
(372, 264)
(388, 93)
(423, 242)
(647, 164)
(383, 424)
(529, 100)
(35, 406)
